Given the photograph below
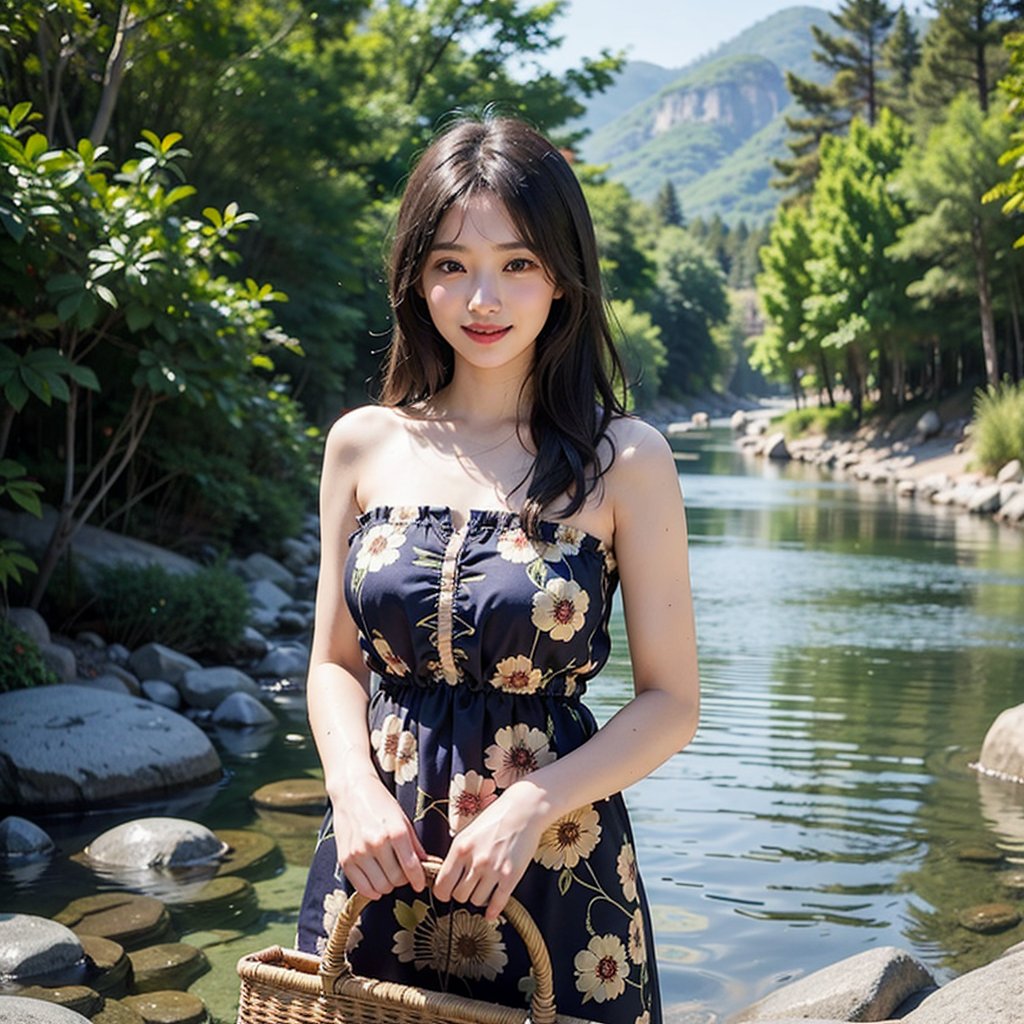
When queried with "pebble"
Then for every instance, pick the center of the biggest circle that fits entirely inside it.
(223, 902)
(19, 1010)
(110, 963)
(129, 920)
(307, 796)
(167, 1007)
(77, 998)
(173, 965)
(988, 918)
(252, 855)
(35, 947)
(115, 1012)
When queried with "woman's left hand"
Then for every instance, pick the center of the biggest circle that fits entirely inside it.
(489, 856)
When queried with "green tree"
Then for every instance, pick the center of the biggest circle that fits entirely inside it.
(857, 304)
(965, 244)
(901, 56)
(643, 353)
(666, 206)
(690, 300)
(127, 298)
(855, 57)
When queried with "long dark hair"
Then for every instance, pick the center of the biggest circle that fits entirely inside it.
(577, 373)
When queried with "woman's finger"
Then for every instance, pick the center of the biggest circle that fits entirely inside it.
(357, 879)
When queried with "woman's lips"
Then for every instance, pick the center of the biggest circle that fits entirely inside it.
(485, 334)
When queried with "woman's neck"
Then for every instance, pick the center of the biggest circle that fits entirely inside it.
(481, 401)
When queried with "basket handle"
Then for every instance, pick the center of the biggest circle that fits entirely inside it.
(335, 964)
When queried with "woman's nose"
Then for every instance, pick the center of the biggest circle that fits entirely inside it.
(484, 297)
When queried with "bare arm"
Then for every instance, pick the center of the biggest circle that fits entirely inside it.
(377, 847)
(489, 856)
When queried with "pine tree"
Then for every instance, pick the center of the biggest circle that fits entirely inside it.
(667, 208)
(963, 53)
(854, 55)
(901, 55)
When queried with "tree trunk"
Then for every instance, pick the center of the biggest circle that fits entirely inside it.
(826, 378)
(988, 324)
(113, 74)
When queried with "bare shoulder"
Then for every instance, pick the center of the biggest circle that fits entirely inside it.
(358, 431)
(640, 450)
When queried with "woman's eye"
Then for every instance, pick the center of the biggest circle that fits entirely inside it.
(449, 266)
(519, 264)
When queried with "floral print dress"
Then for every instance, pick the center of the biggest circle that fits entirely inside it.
(484, 641)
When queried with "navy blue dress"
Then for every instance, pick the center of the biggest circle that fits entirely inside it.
(484, 642)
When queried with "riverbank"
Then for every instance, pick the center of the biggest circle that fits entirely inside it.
(922, 456)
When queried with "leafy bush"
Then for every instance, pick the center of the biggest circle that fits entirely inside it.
(21, 664)
(823, 419)
(203, 612)
(998, 428)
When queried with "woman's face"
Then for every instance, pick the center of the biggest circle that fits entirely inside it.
(487, 292)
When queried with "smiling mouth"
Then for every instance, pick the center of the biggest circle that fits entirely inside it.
(485, 335)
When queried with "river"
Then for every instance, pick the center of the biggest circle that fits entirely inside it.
(854, 649)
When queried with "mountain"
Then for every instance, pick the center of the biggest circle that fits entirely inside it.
(713, 127)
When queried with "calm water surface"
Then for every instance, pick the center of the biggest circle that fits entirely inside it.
(854, 649)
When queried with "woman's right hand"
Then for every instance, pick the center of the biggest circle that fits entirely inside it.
(378, 849)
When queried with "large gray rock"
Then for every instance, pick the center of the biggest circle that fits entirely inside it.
(268, 597)
(929, 424)
(1012, 511)
(61, 660)
(16, 1010)
(29, 621)
(162, 693)
(156, 843)
(1011, 473)
(34, 946)
(1002, 753)
(66, 746)
(298, 554)
(775, 447)
(262, 567)
(241, 709)
(206, 688)
(154, 661)
(21, 840)
(284, 662)
(989, 995)
(112, 684)
(985, 499)
(865, 987)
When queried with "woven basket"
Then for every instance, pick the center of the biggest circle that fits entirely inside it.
(283, 986)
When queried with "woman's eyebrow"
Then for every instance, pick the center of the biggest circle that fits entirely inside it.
(500, 247)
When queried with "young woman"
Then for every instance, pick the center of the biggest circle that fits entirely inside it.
(475, 525)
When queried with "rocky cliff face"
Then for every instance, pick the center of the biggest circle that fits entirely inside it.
(747, 107)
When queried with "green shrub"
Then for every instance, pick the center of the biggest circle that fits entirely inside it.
(998, 428)
(819, 419)
(203, 612)
(21, 664)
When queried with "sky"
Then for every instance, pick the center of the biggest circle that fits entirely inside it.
(666, 32)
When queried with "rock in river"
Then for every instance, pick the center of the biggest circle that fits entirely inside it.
(23, 840)
(34, 947)
(156, 843)
(58, 750)
(1002, 753)
(129, 920)
(18, 1010)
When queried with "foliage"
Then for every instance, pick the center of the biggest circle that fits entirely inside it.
(107, 280)
(643, 352)
(21, 665)
(206, 611)
(820, 419)
(998, 430)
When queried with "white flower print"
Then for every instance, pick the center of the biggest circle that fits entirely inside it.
(396, 666)
(601, 969)
(560, 608)
(334, 904)
(395, 748)
(403, 515)
(466, 942)
(644, 1018)
(570, 839)
(468, 795)
(572, 680)
(379, 547)
(566, 543)
(637, 939)
(517, 675)
(626, 866)
(515, 546)
(517, 750)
